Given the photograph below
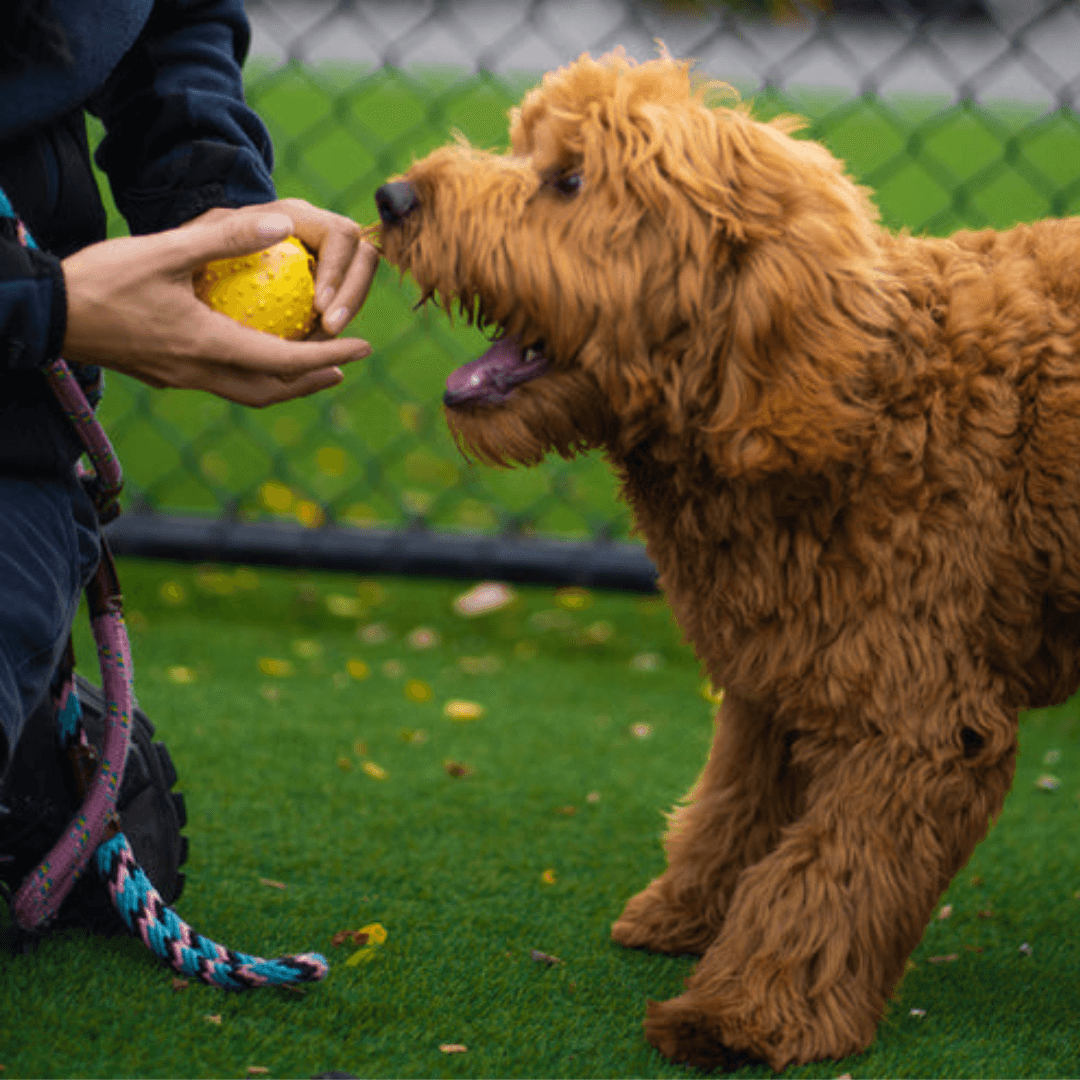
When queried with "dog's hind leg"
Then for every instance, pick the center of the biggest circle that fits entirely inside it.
(731, 819)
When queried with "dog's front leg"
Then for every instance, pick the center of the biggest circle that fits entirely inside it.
(730, 819)
(818, 933)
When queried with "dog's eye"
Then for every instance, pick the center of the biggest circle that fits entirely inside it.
(570, 184)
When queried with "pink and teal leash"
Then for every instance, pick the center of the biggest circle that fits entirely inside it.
(95, 830)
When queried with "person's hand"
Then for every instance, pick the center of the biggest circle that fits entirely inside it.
(345, 262)
(131, 307)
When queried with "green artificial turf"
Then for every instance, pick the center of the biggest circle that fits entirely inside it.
(453, 867)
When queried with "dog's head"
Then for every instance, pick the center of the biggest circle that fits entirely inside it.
(659, 273)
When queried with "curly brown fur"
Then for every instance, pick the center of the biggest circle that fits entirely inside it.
(853, 458)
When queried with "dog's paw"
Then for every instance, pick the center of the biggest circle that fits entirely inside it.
(683, 1030)
(651, 920)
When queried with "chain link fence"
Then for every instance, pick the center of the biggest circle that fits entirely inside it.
(958, 114)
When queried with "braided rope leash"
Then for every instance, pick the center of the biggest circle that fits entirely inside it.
(167, 935)
(96, 827)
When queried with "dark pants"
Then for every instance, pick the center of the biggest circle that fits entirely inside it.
(49, 550)
(49, 540)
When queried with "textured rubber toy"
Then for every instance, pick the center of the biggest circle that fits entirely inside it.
(272, 290)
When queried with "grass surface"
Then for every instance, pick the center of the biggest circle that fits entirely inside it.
(453, 867)
(376, 450)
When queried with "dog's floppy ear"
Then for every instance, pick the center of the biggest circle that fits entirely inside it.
(804, 306)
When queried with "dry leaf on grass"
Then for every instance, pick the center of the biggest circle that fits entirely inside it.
(1048, 783)
(375, 771)
(944, 959)
(416, 690)
(180, 984)
(548, 877)
(544, 958)
(280, 669)
(573, 597)
(257, 1070)
(567, 811)
(483, 598)
(945, 912)
(456, 768)
(344, 607)
(371, 937)
(918, 1012)
(213, 1018)
(272, 884)
(463, 711)
(423, 637)
(453, 1048)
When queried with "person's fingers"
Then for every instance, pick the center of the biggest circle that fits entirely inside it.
(199, 242)
(224, 341)
(353, 291)
(336, 249)
(259, 392)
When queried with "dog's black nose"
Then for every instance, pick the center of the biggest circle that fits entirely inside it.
(396, 202)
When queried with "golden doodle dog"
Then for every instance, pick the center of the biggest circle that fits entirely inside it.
(853, 456)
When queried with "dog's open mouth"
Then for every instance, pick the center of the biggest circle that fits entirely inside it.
(490, 379)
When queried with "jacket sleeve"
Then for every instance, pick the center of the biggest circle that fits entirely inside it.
(33, 303)
(179, 137)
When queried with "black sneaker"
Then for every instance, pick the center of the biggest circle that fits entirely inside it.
(39, 800)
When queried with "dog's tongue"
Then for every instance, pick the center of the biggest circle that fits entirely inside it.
(489, 379)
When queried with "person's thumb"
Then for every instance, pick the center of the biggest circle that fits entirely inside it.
(240, 234)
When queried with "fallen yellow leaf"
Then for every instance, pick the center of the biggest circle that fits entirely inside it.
(415, 690)
(573, 598)
(345, 607)
(374, 771)
(278, 668)
(463, 710)
(374, 934)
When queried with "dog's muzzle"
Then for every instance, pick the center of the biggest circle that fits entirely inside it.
(396, 202)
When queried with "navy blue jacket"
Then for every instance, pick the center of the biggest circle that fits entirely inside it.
(164, 78)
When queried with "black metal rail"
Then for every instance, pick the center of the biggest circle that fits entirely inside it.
(523, 559)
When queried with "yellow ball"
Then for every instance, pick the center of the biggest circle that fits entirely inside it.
(272, 290)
